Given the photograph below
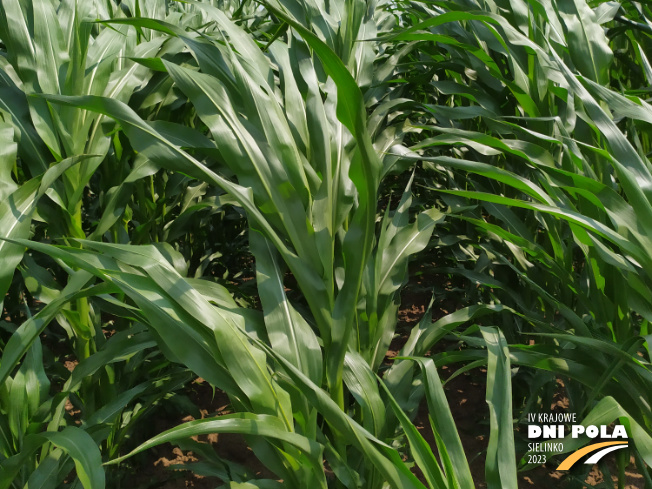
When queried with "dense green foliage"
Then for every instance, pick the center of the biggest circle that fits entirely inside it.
(241, 191)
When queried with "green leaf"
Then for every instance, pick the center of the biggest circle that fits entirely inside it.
(443, 425)
(75, 442)
(501, 456)
(288, 331)
(588, 46)
(242, 423)
(419, 448)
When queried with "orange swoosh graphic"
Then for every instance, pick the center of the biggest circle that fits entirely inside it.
(574, 457)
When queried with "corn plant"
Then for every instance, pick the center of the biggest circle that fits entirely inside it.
(308, 176)
(48, 159)
(149, 139)
(560, 172)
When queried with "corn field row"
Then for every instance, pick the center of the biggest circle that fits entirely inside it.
(248, 192)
